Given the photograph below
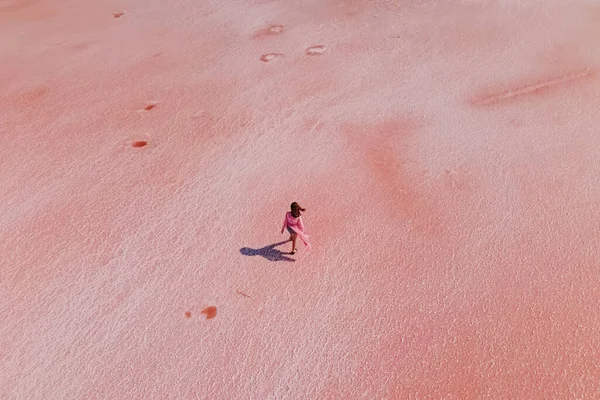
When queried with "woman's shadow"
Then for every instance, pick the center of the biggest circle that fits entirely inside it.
(269, 252)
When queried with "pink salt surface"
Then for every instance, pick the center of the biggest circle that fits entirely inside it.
(448, 155)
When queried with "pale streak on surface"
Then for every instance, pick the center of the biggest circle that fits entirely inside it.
(523, 91)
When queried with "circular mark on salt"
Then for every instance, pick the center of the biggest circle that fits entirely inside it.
(210, 312)
(139, 143)
(270, 57)
(188, 314)
(315, 50)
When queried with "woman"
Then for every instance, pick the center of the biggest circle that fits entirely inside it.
(294, 225)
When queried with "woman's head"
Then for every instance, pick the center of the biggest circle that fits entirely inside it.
(296, 209)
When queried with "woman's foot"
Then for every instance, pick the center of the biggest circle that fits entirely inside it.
(293, 251)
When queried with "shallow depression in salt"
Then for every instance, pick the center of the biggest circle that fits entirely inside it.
(447, 155)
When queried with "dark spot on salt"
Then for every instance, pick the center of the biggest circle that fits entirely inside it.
(210, 312)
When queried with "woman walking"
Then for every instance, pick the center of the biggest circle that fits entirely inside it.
(294, 225)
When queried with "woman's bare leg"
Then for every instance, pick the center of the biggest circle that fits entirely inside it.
(294, 236)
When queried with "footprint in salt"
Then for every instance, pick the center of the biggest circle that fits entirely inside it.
(271, 30)
(118, 14)
(315, 50)
(139, 143)
(275, 29)
(270, 57)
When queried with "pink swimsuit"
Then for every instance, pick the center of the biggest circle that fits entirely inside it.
(296, 225)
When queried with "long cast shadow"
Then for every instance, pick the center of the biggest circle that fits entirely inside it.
(269, 252)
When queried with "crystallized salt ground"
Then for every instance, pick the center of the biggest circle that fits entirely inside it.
(446, 153)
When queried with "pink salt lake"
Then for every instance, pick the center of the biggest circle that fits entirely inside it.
(448, 155)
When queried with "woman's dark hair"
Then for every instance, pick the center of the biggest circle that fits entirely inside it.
(296, 209)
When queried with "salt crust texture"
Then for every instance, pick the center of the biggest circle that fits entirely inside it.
(447, 153)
